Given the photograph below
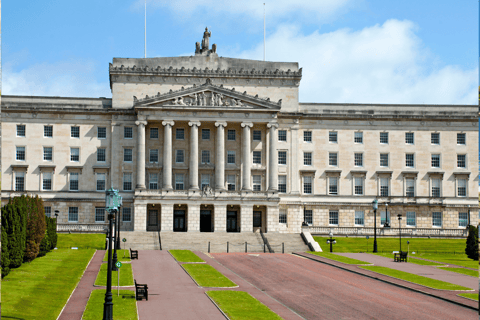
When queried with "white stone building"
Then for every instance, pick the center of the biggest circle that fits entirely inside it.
(206, 143)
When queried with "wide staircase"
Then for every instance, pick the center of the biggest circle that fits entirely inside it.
(140, 240)
(292, 242)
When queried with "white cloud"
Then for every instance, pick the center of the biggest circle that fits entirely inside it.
(65, 78)
(379, 64)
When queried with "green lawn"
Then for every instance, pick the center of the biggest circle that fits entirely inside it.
(473, 296)
(207, 276)
(468, 272)
(410, 259)
(81, 240)
(338, 258)
(126, 276)
(424, 281)
(185, 256)
(124, 306)
(42, 287)
(239, 305)
(122, 255)
(456, 259)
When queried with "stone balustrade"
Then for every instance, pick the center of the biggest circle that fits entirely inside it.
(83, 227)
(364, 231)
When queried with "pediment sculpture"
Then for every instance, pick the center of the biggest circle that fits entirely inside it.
(206, 98)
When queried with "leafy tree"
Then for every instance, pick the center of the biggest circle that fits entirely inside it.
(472, 243)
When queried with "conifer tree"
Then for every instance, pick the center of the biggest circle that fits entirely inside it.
(472, 243)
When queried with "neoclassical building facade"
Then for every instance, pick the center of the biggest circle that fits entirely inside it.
(212, 144)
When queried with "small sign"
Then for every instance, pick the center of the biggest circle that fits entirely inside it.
(118, 264)
(408, 242)
(124, 240)
(368, 237)
(74, 248)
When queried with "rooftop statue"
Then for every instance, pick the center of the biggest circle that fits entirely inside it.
(204, 49)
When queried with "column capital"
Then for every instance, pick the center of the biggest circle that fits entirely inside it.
(220, 123)
(272, 125)
(140, 122)
(168, 123)
(247, 124)
(194, 123)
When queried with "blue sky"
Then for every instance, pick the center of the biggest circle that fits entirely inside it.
(355, 51)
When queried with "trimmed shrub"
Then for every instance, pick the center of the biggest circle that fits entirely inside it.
(35, 227)
(471, 249)
(14, 218)
(52, 232)
(5, 260)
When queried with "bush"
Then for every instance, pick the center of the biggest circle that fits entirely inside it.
(14, 218)
(35, 227)
(52, 232)
(5, 254)
(471, 249)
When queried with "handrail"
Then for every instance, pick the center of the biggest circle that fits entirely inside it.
(265, 242)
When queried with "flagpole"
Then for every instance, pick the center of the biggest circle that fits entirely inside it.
(264, 49)
(145, 28)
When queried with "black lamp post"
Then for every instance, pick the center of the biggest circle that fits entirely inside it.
(56, 218)
(400, 229)
(331, 241)
(375, 207)
(386, 224)
(114, 258)
(117, 238)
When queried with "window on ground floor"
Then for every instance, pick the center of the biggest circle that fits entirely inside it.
(127, 214)
(73, 214)
(99, 214)
(462, 219)
(333, 218)
(308, 217)
(411, 219)
(359, 218)
(282, 216)
(437, 219)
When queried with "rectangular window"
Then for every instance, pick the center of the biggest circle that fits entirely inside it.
(358, 137)
(383, 159)
(384, 187)
(307, 185)
(359, 218)
(308, 217)
(205, 156)
(205, 134)
(332, 137)
(333, 185)
(48, 211)
(127, 155)
(282, 184)
(48, 131)
(230, 157)
(358, 159)
(282, 135)
(153, 181)
(333, 218)
(282, 216)
(462, 187)
(180, 156)
(409, 160)
(410, 187)
(231, 135)
(74, 132)
(74, 154)
(257, 135)
(307, 158)
(127, 132)
(101, 183)
(154, 155)
(307, 136)
(180, 134)
(101, 155)
(72, 214)
(384, 217)
(47, 181)
(358, 187)
(127, 181)
(73, 181)
(437, 219)
(333, 159)
(411, 219)
(461, 161)
(19, 181)
(435, 138)
(435, 161)
(47, 153)
(384, 137)
(436, 191)
(461, 138)
(282, 157)
(153, 133)
(20, 154)
(126, 214)
(462, 219)
(99, 214)
(231, 182)
(20, 130)
(257, 157)
(102, 133)
(179, 184)
(257, 183)
(409, 138)
(205, 181)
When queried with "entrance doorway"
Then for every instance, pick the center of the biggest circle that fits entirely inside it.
(152, 224)
(179, 223)
(257, 219)
(205, 220)
(232, 225)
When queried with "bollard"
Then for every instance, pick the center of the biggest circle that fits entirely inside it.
(283, 247)
(208, 246)
(245, 246)
(227, 246)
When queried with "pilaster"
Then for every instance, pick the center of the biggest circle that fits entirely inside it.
(246, 156)
(194, 154)
(193, 218)
(246, 218)
(166, 217)
(272, 219)
(141, 154)
(140, 217)
(220, 156)
(220, 218)
(167, 155)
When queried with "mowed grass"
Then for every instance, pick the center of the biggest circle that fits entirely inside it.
(124, 306)
(185, 256)
(81, 240)
(473, 296)
(207, 276)
(126, 276)
(410, 259)
(338, 258)
(40, 289)
(122, 255)
(468, 272)
(240, 305)
(456, 259)
(424, 281)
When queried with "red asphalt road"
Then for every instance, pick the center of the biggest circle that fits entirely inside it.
(319, 291)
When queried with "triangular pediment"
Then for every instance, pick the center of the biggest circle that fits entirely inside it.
(207, 96)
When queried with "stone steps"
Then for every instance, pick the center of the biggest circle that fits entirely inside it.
(292, 242)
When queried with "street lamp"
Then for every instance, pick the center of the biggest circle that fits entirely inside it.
(386, 224)
(400, 229)
(331, 241)
(56, 218)
(117, 228)
(375, 207)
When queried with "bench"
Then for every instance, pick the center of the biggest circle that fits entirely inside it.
(133, 254)
(141, 291)
(401, 256)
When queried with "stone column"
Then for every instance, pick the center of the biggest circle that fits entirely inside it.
(272, 219)
(220, 218)
(166, 217)
(193, 218)
(220, 157)
(273, 158)
(246, 218)
(194, 154)
(246, 156)
(167, 155)
(140, 217)
(141, 154)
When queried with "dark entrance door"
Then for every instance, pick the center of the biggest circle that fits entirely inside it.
(179, 220)
(152, 224)
(257, 219)
(232, 221)
(205, 221)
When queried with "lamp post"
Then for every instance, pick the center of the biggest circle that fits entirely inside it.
(386, 224)
(331, 241)
(56, 219)
(375, 207)
(400, 229)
